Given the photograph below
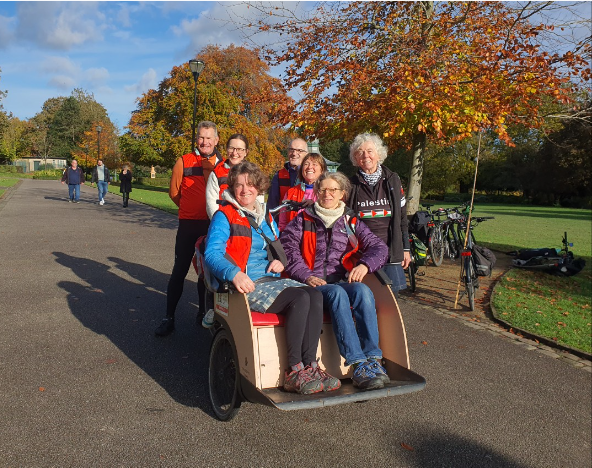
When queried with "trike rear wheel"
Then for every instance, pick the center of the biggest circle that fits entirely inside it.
(224, 377)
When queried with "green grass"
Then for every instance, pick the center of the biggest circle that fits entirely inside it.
(550, 306)
(8, 182)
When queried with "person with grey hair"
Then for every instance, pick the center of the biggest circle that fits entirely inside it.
(378, 198)
(287, 176)
(188, 191)
(329, 248)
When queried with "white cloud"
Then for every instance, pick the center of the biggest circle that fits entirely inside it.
(60, 26)
(96, 76)
(6, 31)
(61, 65)
(148, 81)
(62, 82)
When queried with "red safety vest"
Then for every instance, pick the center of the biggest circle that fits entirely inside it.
(284, 182)
(221, 172)
(238, 246)
(294, 193)
(308, 245)
(193, 189)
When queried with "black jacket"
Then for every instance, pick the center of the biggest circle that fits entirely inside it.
(125, 180)
(95, 175)
(397, 231)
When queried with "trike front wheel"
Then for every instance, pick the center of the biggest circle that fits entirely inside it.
(224, 377)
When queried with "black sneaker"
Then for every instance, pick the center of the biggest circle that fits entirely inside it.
(166, 327)
(365, 378)
(379, 371)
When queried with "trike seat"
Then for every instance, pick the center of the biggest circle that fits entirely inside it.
(275, 320)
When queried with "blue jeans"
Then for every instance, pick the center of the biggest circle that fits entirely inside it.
(357, 341)
(396, 273)
(103, 188)
(74, 189)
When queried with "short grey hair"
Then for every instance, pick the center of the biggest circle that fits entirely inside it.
(362, 138)
(207, 124)
(339, 177)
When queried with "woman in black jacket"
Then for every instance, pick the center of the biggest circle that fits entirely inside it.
(125, 184)
(378, 198)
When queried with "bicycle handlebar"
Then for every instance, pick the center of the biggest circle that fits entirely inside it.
(290, 205)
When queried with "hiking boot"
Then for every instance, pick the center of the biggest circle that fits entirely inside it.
(380, 371)
(300, 381)
(208, 319)
(364, 377)
(329, 382)
(166, 327)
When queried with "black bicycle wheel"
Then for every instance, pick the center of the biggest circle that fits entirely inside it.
(469, 282)
(411, 270)
(224, 377)
(436, 245)
(450, 239)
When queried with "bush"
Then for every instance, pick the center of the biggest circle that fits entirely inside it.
(9, 169)
(50, 174)
(156, 182)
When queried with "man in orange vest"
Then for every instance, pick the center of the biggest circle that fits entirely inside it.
(188, 191)
(287, 176)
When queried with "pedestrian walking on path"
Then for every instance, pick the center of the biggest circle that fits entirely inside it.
(125, 184)
(101, 177)
(73, 176)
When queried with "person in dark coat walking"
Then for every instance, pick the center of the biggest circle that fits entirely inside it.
(73, 176)
(125, 186)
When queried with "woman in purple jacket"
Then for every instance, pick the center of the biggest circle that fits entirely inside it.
(330, 249)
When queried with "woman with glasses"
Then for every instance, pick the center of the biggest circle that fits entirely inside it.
(378, 198)
(330, 249)
(313, 165)
(237, 149)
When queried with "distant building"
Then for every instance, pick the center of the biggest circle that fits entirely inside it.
(314, 148)
(32, 164)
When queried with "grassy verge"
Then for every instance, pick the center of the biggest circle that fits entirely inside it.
(158, 197)
(8, 182)
(550, 306)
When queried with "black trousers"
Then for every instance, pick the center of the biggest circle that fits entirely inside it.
(303, 308)
(187, 234)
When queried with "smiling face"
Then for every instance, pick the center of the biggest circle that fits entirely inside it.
(237, 151)
(330, 194)
(206, 141)
(311, 171)
(296, 152)
(244, 192)
(367, 157)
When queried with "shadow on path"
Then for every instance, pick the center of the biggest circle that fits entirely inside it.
(121, 304)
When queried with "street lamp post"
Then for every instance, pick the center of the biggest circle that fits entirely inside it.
(196, 67)
(99, 128)
(85, 161)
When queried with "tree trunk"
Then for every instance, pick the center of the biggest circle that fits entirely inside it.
(416, 172)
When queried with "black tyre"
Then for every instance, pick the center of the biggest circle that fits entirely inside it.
(411, 270)
(470, 284)
(436, 246)
(224, 377)
(452, 244)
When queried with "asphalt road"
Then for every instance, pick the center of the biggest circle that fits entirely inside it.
(84, 382)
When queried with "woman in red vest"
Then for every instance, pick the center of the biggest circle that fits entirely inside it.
(236, 252)
(330, 249)
(313, 165)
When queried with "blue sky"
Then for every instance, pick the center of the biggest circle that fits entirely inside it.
(119, 50)
(115, 50)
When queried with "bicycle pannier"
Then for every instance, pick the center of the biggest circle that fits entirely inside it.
(419, 225)
(484, 260)
(420, 251)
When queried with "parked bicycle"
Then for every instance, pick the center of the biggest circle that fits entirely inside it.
(468, 268)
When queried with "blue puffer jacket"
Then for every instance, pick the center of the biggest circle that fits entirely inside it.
(328, 255)
(215, 258)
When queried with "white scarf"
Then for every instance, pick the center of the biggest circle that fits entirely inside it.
(328, 217)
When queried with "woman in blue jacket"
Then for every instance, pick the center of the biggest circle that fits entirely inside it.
(236, 251)
(330, 249)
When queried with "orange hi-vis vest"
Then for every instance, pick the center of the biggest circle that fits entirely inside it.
(284, 182)
(238, 246)
(308, 245)
(221, 172)
(296, 194)
(193, 189)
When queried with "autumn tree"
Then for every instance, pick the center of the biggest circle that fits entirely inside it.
(418, 71)
(235, 91)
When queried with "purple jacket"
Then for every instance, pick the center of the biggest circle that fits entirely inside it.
(327, 264)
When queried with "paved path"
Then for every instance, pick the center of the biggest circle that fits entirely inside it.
(83, 381)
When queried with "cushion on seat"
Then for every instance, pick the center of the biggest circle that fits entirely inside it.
(276, 320)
